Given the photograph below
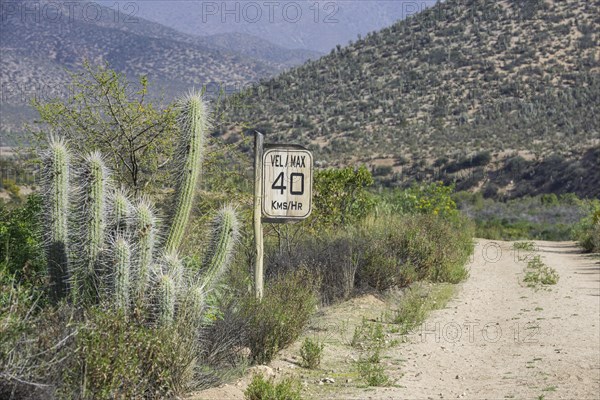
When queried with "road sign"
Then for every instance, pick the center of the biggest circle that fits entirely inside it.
(286, 183)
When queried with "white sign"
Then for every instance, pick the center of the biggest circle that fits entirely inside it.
(287, 183)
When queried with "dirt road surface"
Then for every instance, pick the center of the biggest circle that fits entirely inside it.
(500, 339)
(497, 339)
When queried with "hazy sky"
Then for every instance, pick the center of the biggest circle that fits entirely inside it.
(307, 24)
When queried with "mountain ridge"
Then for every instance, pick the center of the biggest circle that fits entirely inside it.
(38, 48)
(416, 100)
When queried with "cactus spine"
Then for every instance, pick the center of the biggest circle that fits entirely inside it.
(122, 273)
(56, 171)
(193, 122)
(193, 305)
(169, 282)
(174, 268)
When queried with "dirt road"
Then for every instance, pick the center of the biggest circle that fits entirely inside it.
(496, 339)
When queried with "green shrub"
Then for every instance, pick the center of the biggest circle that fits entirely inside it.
(418, 301)
(276, 321)
(381, 269)
(526, 218)
(587, 231)
(36, 343)
(371, 371)
(341, 196)
(332, 256)
(592, 244)
(549, 199)
(527, 246)
(311, 353)
(537, 273)
(503, 229)
(118, 358)
(402, 249)
(16, 302)
(368, 336)
(21, 251)
(434, 198)
(262, 389)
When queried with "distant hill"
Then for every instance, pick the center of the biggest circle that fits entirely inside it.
(294, 24)
(256, 48)
(500, 96)
(40, 39)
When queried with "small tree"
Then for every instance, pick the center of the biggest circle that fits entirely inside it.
(341, 195)
(104, 112)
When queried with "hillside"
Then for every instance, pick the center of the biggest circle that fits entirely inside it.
(502, 96)
(40, 39)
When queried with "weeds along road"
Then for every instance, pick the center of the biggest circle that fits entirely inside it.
(496, 339)
(500, 339)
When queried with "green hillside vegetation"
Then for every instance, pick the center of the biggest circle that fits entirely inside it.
(478, 92)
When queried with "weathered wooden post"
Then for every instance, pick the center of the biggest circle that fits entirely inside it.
(258, 232)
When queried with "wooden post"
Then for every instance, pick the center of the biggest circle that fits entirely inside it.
(258, 232)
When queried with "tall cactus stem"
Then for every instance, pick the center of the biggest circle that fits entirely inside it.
(174, 268)
(121, 211)
(167, 295)
(95, 183)
(56, 177)
(122, 273)
(194, 305)
(145, 231)
(194, 122)
(224, 235)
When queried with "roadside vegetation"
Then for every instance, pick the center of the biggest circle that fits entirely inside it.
(587, 231)
(538, 274)
(543, 217)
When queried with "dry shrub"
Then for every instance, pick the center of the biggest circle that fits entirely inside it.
(275, 322)
(399, 250)
(333, 257)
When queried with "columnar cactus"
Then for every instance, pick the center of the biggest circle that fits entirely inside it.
(194, 122)
(174, 268)
(121, 212)
(56, 173)
(144, 231)
(115, 249)
(94, 179)
(166, 299)
(169, 283)
(224, 234)
(122, 271)
(193, 305)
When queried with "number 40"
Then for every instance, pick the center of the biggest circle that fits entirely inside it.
(279, 183)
